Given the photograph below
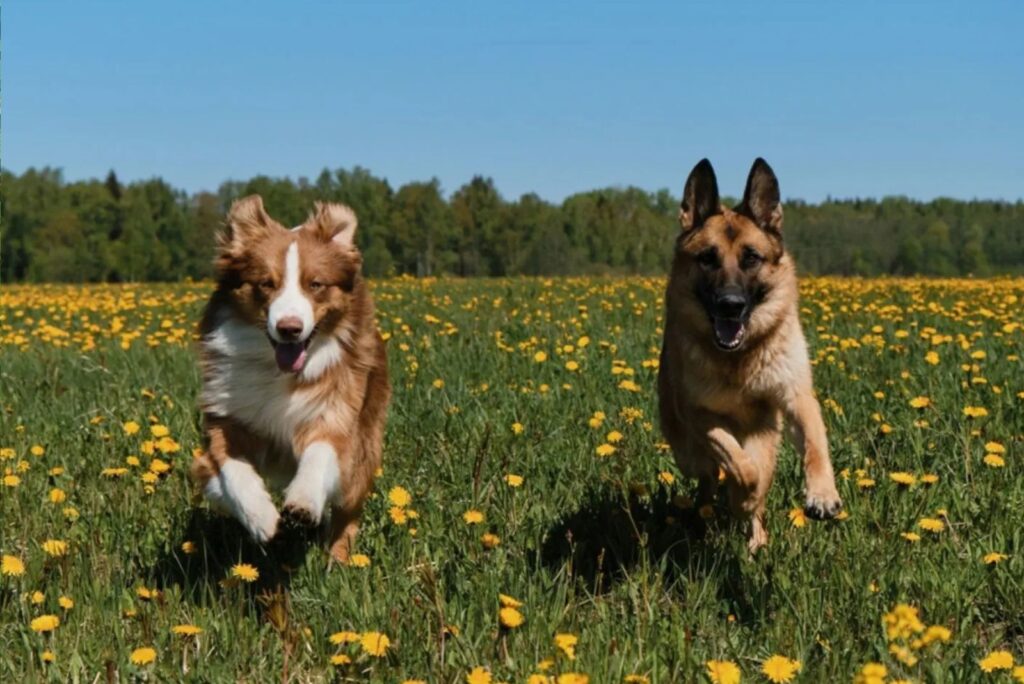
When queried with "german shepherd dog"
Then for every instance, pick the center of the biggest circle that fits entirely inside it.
(734, 361)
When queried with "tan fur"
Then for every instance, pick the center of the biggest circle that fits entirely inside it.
(725, 409)
(347, 402)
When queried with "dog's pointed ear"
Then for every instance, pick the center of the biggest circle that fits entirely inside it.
(336, 223)
(761, 200)
(247, 220)
(700, 196)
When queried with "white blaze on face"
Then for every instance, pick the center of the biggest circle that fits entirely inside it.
(291, 301)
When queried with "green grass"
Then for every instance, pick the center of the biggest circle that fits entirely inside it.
(596, 547)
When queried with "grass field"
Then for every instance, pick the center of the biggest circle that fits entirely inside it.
(493, 486)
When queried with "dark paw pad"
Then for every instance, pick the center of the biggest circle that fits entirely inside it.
(823, 509)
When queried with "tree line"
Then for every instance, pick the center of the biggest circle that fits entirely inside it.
(95, 231)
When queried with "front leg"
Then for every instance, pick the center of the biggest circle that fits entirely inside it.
(229, 481)
(809, 433)
(317, 481)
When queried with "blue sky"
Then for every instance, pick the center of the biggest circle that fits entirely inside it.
(861, 99)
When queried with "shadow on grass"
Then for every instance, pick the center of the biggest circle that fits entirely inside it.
(606, 539)
(216, 544)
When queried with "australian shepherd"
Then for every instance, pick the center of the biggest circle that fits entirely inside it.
(295, 380)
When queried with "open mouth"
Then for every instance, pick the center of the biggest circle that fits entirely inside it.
(729, 332)
(291, 356)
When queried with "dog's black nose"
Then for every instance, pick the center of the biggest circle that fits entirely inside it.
(730, 305)
(289, 327)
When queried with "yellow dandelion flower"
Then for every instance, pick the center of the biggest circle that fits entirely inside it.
(159, 431)
(573, 678)
(517, 428)
(478, 675)
(245, 572)
(932, 358)
(55, 547)
(929, 478)
(188, 547)
(514, 480)
(572, 366)
(797, 517)
(398, 515)
(45, 623)
(903, 479)
(490, 541)
(975, 411)
(159, 466)
(66, 602)
(614, 437)
(936, 633)
(11, 566)
(57, 495)
(399, 496)
(566, 643)
(780, 668)
(902, 622)
(473, 517)
(510, 618)
(11, 480)
(340, 659)
(723, 671)
(865, 483)
(359, 560)
(994, 461)
(540, 357)
(996, 660)
(666, 477)
(920, 402)
(186, 630)
(346, 637)
(374, 643)
(507, 601)
(37, 450)
(605, 450)
(37, 597)
(438, 383)
(931, 525)
(130, 427)
(143, 656)
(994, 448)
(871, 673)
(993, 558)
(47, 656)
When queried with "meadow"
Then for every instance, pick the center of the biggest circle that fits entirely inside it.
(529, 524)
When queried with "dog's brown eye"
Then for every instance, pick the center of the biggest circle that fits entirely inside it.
(316, 286)
(266, 284)
(751, 259)
(708, 258)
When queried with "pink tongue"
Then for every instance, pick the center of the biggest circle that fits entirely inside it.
(290, 356)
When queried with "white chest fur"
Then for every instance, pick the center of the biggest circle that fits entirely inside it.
(243, 381)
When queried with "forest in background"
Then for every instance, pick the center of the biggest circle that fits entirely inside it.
(106, 230)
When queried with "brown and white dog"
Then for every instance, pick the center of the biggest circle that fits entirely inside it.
(734, 362)
(295, 380)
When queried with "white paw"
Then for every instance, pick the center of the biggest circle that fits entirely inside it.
(261, 518)
(239, 490)
(304, 507)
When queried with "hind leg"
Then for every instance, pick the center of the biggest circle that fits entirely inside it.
(762, 448)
